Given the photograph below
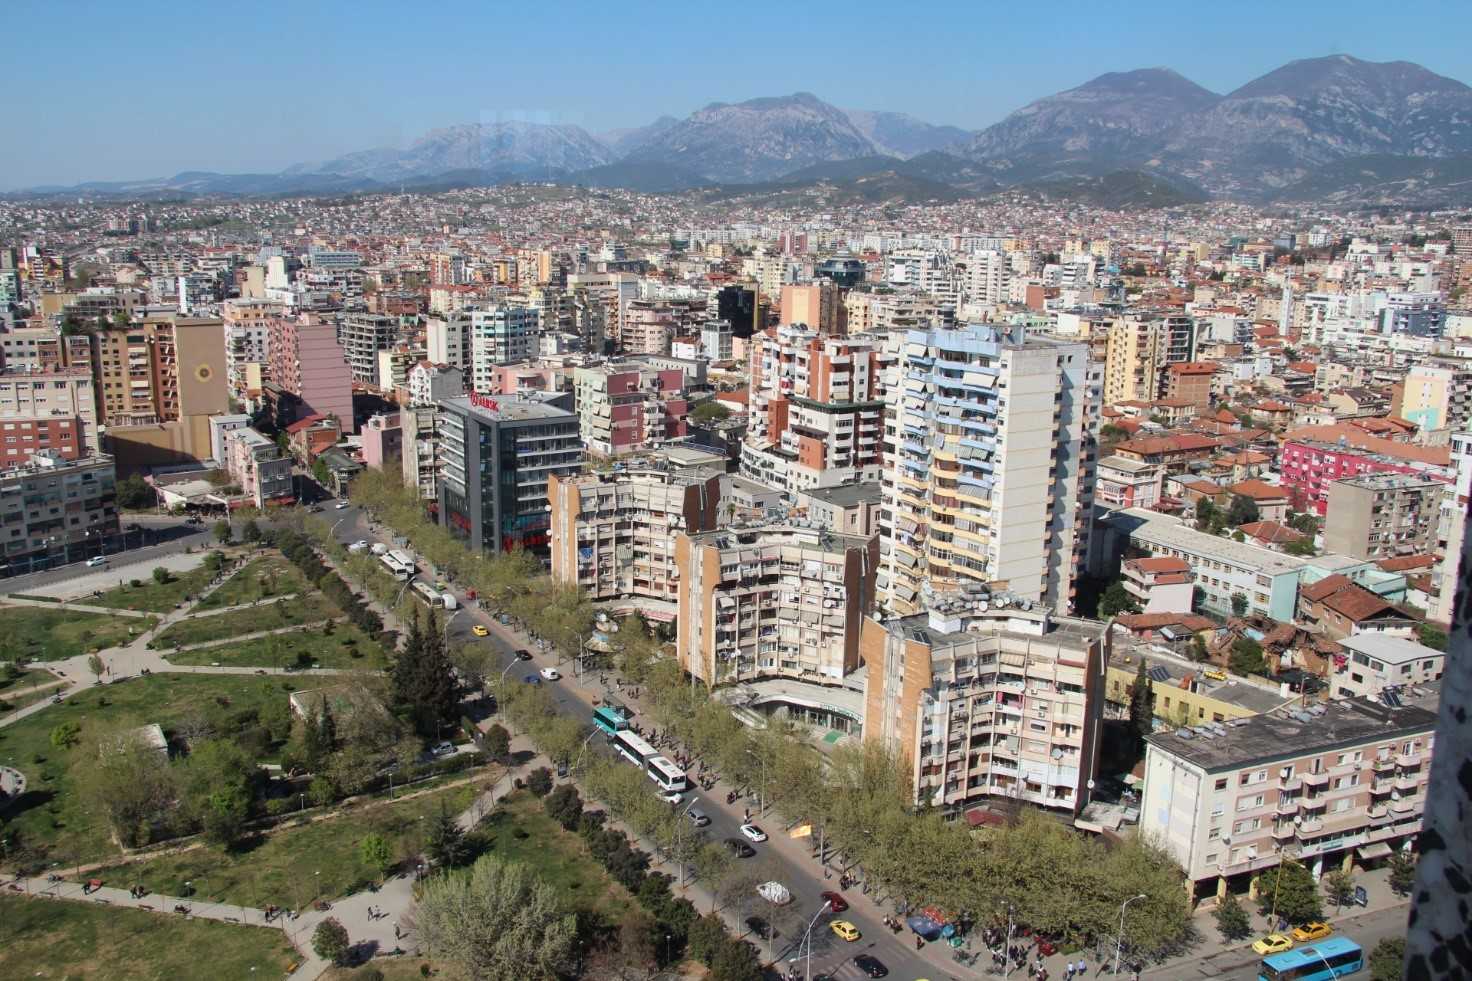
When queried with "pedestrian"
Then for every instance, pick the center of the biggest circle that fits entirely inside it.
(1082, 968)
(1068, 972)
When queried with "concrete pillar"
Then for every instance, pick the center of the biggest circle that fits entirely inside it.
(1221, 888)
(1318, 868)
(1253, 887)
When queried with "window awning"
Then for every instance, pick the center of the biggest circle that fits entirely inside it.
(1377, 849)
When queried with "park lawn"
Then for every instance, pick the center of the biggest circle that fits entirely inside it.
(334, 650)
(153, 597)
(48, 938)
(270, 575)
(12, 703)
(391, 968)
(296, 865)
(559, 857)
(44, 634)
(27, 678)
(51, 820)
(310, 608)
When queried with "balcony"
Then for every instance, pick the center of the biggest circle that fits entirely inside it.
(1287, 806)
(1310, 826)
(1403, 806)
(1407, 782)
(1284, 830)
(1383, 765)
(1407, 761)
(1290, 784)
(1316, 779)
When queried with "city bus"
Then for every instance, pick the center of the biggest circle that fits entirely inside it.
(611, 718)
(634, 748)
(1322, 960)
(400, 564)
(427, 593)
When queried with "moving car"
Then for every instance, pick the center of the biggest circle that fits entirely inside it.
(1273, 943)
(872, 966)
(442, 749)
(340, 505)
(739, 848)
(1311, 931)
(532, 679)
(550, 674)
(671, 796)
(754, 833)
(774, 892)
(836, 903)
(357, 548)
(480, 630)
(96, 561)
(697, 817)
(523, 654)
(845, 929)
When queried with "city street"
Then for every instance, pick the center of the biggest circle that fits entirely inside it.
(173, 534)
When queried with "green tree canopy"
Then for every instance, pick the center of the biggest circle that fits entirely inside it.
(1115, 600)
(1291, 892)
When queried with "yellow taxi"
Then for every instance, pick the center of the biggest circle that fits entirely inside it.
(1311, 931)
(1273, 943)
(480, 631)
(845, 929)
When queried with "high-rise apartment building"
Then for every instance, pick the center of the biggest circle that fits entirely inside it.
(1451, 531)
(1382, 515)
(999, 705)
(816, 414)
(817, 306)
(499, 334)
(648, 327)
(247, 338)
(1436, 394)
(772, 601)
(992, 478)
(626, 406)
(495, 456)
(363, 335)
(447, 340)
(59, 407)
(309, 364)
(613, 534)
(54, 511)
(1139, 350)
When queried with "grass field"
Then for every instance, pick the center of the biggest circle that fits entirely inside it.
(391, 968)
(50, 819)
(53, 635)
(269, 575)
(237, 623)
(153, 597)
(334, 650)
(296, 865)
(560, 857)
(47, 938)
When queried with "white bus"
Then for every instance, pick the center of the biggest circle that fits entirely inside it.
(427, 593)
(400, 564)
(634, 748)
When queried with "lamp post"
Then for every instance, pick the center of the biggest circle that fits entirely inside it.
(578, 765)
(1119, 940)
(807, 938)
(683, 811)
(449, 618)
(762, 800)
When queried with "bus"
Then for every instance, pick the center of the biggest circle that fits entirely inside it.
(427, 593)
(634, 748)
(400, 564)
(611, 718)
(1333, 957)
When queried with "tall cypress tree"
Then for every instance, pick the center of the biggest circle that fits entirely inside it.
(1141, 708)
(423, 678)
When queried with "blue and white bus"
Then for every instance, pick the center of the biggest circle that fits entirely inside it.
(634, 748)
(611, 718)
(1322, 960)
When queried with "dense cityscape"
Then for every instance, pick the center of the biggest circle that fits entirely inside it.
(821, 551)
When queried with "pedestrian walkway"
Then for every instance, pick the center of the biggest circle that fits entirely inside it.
(13, 600)
(106, 895)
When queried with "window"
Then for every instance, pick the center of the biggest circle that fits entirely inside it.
(1221, 784)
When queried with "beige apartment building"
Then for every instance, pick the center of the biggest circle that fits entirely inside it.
(1383, 515)
(772, 601)
(613, 534)
(1338, 784)
(53, 393)
(1138, 351)
(1000, 705)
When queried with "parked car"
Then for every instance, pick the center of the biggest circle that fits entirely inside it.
(1311, 931)
(551, 674)
(442, 749)
(97, 561)
(760, 927)
(739, 848)
(379, 548)
(523, 654)
(845, 930)
(754, 833)
(671, 796)
(340, 505)
(836, 903)
(532, 679)
(697, 817)
(358, 548)
(775, 893)
(1273, 943)
(872, 966)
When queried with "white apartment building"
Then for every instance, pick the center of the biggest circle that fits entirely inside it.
(991, 486)
(1451, 531)
(988, 704)
(1377, 662)
(428, 382)
(500, 334)
(362, 336)
(1341, 783)
(772, 601)
(984, 278)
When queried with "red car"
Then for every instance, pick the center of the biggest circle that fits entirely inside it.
(836, 903)
(1046, 947)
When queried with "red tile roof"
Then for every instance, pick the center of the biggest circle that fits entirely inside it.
(1272, 532)
(1356, 437)
(1404, 563)
(1259, 490)
(1164, 563)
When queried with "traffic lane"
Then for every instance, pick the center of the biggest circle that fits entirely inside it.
(178, 541)
(1241, 964)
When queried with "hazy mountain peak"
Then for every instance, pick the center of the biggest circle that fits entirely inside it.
(1150, 81)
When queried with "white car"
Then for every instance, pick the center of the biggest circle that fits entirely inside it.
(442, 749)
(775, 893)
(340, 505)
(358, 548)
(753, 832)
(550, 674)
(96, 561)
(671, 796)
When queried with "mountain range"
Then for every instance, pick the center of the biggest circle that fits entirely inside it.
(1335, 129)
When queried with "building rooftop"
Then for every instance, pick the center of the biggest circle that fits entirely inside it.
(1388, 481)
(938, 628)
(1125, 465)
(847, 495)
(521, 407)
(1168, 532)
(1288, 734)
(1391, 650)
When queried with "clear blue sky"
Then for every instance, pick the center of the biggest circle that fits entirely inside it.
(123, 90)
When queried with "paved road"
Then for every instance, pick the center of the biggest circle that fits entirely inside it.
(180, 537)
(799, 870)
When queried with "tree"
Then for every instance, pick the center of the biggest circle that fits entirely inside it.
(496, 921)
(1387, 960)
(222, 532)
(446, 845)
(1402, 872)
(497, 743)
(95, 665)
(1142, 708)
(1206, 514)
(134, 493)
(1291, 893)
(161, 575)
(1231, 919)
(539, 781)
(1239, 604)
(330, 941)
(1116, 600)
(128, 783)
(250, 532)
(1339, 887)
(376, 853)
(423, 678)
(1432, 636)
(736, 960)
(220, 783)
(1243, 511)
(66, 735)
(214, 561)
(1198, 648)
(565, 806)
(711, 411)
(1246, 656)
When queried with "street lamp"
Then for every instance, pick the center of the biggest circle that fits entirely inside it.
(1119, 940)
(578, 765)
(685, 810)
(807, 938)
(762, 801)
(449, 618)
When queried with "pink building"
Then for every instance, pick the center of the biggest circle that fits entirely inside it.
(529, 376)
(308, 363)
(383, 442)
(623, 407)
(1309, 466)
